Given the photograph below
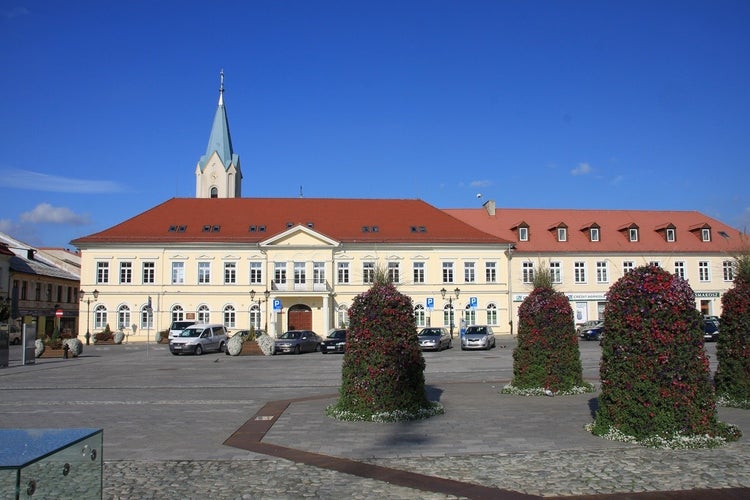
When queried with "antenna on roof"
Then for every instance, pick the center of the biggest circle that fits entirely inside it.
(300, 191)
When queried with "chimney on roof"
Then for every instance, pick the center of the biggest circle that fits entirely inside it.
(489, 205)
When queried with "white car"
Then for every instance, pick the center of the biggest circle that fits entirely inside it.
(478, 337)
(197, 339)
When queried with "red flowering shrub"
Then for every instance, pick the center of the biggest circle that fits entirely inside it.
(547, 355)
(732, 378)
(383, 367)
(654, 369)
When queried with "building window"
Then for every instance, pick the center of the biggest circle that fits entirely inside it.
(527, 272)
(204, 273)
(368, 272)
(418, 268)
(679, 269)
(555, 271)
(654, 263)
(123, 318)
(448, 316)
(147, 318)
(419, 315)
(342, 272)
(602, 272)
(490, 272)
(319, 273)
(470, 316)
(706, 234)
(671, 235)
(562, 234)
(394, 274)
(342, 316)
(728, 268)
(126, 273)
(491, 314)
(255, 317)
(178, 273)
(300, 274)
(204, 314)
(627, 266)
(149, 273)
(469, 272)
(523, 234)
(447, 272)
(579, 272)
(230, 318)
(703, 269)
(230, 273)
(594, 234)
(178, 314)
(102, 272)
(633, 234)
(279, 273)
(256, 273)
(100, 317)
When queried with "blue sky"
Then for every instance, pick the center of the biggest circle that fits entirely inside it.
(107, 106)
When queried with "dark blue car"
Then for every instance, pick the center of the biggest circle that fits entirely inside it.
(593, 333)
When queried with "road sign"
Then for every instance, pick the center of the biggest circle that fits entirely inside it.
(473, 302)
(59, 313)
(430, 303)
(277, 304)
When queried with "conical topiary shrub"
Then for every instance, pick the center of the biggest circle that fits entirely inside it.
(547, 359)
(383, 367)
(732, 379)
(654, 370)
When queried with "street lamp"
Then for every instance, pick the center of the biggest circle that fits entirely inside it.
(266, 294)
(252, 298)
(443, 291)
(88, 312)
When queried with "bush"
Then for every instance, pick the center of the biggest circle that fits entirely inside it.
(547, 356)
(654, 369)
(732, 378)
(104, 336)
(383, 367)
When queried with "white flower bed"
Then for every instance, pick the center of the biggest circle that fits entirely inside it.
(266, 344)
(544, 391)
(435, 408)
(674, 442)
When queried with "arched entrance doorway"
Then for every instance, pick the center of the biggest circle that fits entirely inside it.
(300, 317)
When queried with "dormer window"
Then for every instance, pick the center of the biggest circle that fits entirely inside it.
(523, 233)
(594, 234)
(633, 234)
(671, 236)
(705, 234)
(562, 234)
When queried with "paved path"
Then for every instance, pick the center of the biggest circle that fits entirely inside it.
(169, 422)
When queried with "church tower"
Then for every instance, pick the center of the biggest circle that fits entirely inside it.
(218, 173)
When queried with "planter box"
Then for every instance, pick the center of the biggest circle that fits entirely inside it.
(251, 348)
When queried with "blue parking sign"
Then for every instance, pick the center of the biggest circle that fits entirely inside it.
(473, 302)
(430, 303)
(277, 304)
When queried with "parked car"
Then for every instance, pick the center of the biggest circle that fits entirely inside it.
(197, 339)
(14, 335)
(335, 341)
(587, 325)
(593, 333)
(435, 339)
(177, 327)
(298, 341)
(478, 337)
(246, 333)
(710, 330)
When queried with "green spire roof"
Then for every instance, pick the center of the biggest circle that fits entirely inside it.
(220, 140)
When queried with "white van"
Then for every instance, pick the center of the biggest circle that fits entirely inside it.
(197, 339)
(177, 326)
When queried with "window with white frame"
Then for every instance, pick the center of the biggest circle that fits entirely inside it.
(123, 317)
(368, 272)
(102, 272)
(469, 272)
(204, 273)
(394, 272)
(633, 234)
(555, 271)
(178, 314)
(523, 233)
(470, 315)
(419, 315)
(447, 272)
(230, 273)
(319, 273)
(100, 317)
(562, 234)
(490, 272)
(654, 263)
(491, 314)
(149, 273)
(126, 273)
(203, 314)
(418, 271)
(279, 273)
(342, 272)
(671, 237)
(230, 317)
(703, 271)
(579, 272)
(728, 270)
(448, 317)
(594, 234)
(178, 273)
(147, 318)
(627, 266)
(602, 272)
(679, 269)
(256, 272)
(527, 272)
(300, 276)
(705, 234)
(342, 316)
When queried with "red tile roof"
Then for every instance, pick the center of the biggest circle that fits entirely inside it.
(183, 220)
(613, 234)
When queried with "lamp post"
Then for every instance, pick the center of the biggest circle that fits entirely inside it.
(266, 294)
(443, 291)
(88, 311)
(252, 299)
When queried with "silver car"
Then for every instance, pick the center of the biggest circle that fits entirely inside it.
(478, 337)
(435, 339)
(197, 339)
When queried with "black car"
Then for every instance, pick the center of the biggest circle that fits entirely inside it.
(593, 333)
(334, 342)
(710, 330)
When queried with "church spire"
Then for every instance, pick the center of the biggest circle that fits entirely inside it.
(220, 141)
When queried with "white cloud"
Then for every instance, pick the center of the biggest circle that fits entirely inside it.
(582, 169)
(36, 181)
(46, 213)
(482, 183)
